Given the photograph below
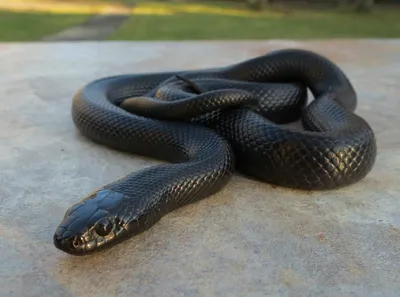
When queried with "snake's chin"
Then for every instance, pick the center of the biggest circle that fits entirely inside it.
(88, 243)
(76, 245)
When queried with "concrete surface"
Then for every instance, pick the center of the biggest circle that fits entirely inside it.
(98, 27)
(251, 239)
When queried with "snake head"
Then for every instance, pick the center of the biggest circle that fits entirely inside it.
(91, 224)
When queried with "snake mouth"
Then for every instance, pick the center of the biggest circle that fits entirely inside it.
(80, 245)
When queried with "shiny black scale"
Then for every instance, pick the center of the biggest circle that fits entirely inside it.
(208, 122)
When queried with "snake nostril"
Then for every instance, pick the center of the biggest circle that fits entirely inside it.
(77, 242)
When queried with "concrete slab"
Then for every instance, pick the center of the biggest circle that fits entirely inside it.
(252, 239)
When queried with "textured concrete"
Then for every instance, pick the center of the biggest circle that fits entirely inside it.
(252, 239)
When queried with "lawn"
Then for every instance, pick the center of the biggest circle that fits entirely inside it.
(34, 26)
(177, 21)
(302, 23)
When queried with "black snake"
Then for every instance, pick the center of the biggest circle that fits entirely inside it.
(205, 123)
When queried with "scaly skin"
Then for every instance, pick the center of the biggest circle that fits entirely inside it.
(206, 123)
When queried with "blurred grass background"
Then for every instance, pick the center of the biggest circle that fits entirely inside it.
(34, 26)
(298, 24)
(202, 20)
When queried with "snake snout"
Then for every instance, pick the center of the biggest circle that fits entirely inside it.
(67, 243)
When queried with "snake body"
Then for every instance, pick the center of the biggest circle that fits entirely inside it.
(207, 123)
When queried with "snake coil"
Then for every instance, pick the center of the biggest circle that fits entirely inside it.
(207, 123)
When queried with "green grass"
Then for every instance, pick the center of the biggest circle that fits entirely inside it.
(34, 26)
(293, 24)
(278, 23)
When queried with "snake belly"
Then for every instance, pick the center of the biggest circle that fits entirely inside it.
(207, 123)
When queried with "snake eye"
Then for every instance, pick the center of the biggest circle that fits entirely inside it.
(104, 227)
